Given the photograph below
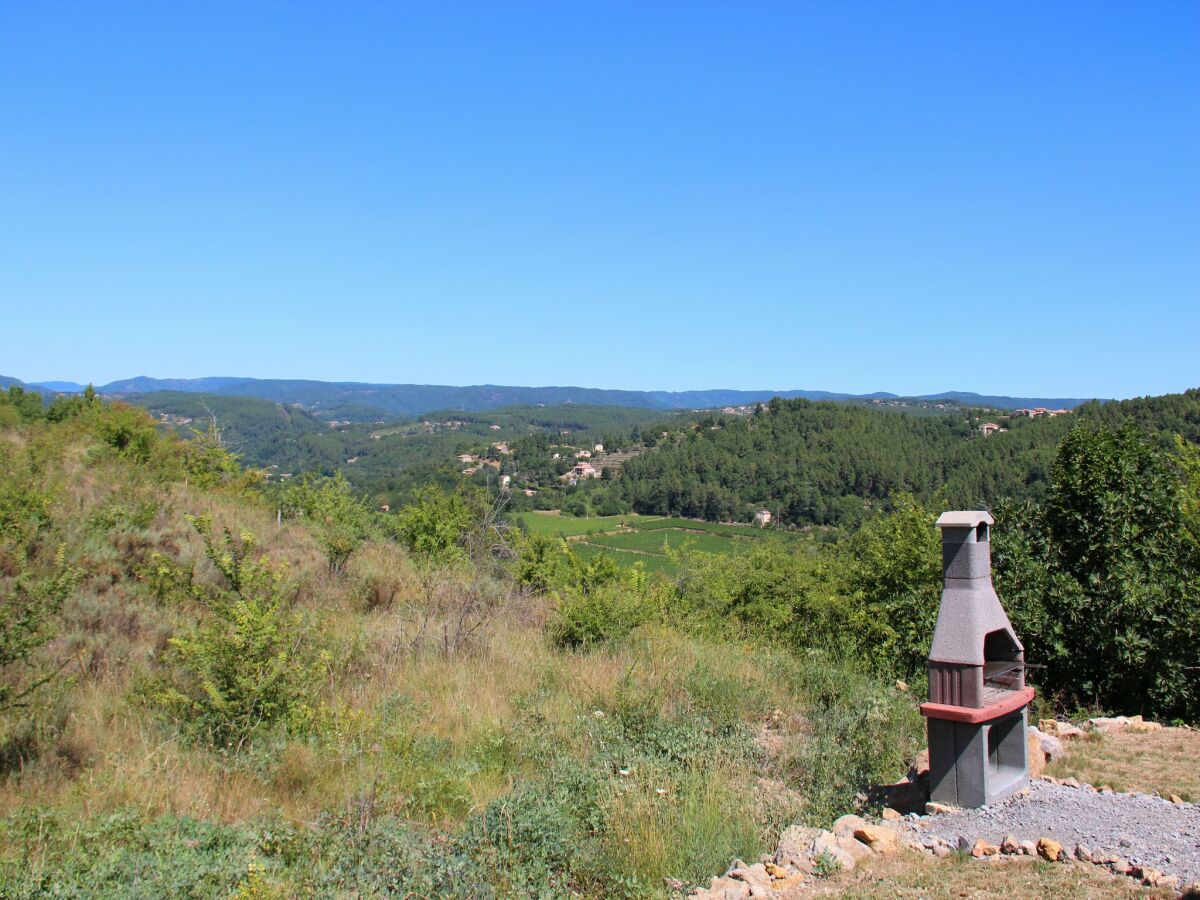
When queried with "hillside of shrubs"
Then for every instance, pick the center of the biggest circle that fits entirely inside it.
(214, 687)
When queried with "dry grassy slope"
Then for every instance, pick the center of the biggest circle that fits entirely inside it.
(1162, 762)
(403, 727)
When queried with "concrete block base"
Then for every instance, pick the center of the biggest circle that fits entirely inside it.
(973, 765)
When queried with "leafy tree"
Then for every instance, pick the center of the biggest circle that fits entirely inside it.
(340, 520)
(891, 570)
(1104, 578)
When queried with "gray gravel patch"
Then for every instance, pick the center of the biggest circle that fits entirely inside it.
(1140, 828)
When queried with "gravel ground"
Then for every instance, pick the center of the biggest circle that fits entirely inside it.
(1139, 828)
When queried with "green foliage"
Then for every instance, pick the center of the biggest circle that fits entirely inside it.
(245, 666)
(28, 605)
(340, 520)
(207, 460)
(435, 525)
(30, 595)
(126, 430)
(861, 732)
(892, 573)
(1109, 565)
(606, 612)
(539, 562)
(19, 406)
(768, 590)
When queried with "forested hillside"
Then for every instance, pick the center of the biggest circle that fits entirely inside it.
(812, 462)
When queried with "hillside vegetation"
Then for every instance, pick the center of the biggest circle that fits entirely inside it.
(197, 700)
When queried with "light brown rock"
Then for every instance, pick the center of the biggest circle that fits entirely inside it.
(827, 844)
(1010, 846)
(1035, 755)
(890, 815)
(792, 882)
(982, 848)
(756, 876)
(1083, 853)
(1049, 849)
(920, 766)
(1176, 799)
(879, 839)
(795, 848)
(1028, 848)
(938, 809)
(854, 847)
(725, 888)
(1070, 782)
(1061, 730)
(845, 825)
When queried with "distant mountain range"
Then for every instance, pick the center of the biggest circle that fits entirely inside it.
(359, 401)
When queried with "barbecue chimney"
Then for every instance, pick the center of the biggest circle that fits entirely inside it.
(977, 710)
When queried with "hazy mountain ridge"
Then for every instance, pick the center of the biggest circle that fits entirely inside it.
(357, 400)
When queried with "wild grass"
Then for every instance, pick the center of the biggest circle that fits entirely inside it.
(443, 723)
(1162, 762)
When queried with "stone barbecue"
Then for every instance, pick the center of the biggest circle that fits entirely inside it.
(977, 710)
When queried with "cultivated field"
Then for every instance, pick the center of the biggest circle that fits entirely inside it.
(635, 538)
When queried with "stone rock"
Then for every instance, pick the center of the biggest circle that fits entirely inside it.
(854, 847)
(1176, 799)
(880, 840)
(1051, 746)
(795, 848)
(1009, 846)
(845, 825)
(791, 883)
(1083, 853)
(939, 809)
(1069, 782)
(756, 876)
(826, 844)
(1062, 730)
(725, 888)
(920, 766)
(1035, 755)
(777, 871)
(890, 815)
(941, 851)
(1049, 849)
(1107, 725)
(982, 848)
(1121, 867)
(1028, 848)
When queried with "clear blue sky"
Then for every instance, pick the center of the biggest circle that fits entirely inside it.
(848, 196)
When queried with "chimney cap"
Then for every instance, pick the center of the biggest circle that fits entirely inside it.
(965, 518)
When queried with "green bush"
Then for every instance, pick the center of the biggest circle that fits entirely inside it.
(607, 613)
(340, 521)
(860, 731)
(246, 666)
